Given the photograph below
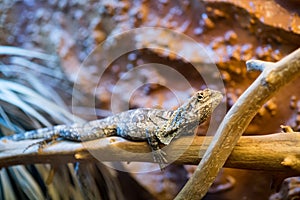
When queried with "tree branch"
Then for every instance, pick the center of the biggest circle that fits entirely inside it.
(274, 76)
(251, 152)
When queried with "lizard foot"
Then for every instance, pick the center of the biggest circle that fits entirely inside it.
(157, 153)
(43, 143)
(159, 157)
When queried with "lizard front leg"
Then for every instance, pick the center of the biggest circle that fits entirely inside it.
(157, 153)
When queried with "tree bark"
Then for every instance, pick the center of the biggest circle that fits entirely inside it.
(275, 152)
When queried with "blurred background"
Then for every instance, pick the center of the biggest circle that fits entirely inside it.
(43, 46)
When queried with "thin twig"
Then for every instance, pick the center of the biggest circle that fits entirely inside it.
(274, 76)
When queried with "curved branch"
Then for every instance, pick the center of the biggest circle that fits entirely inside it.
(274, 76)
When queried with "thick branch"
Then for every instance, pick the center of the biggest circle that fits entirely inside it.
(273, 77)
(252, 152)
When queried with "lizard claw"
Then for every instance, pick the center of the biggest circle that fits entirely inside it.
(42, 143)
(159, 157)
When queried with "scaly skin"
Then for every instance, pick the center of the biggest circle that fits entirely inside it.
(154, 125)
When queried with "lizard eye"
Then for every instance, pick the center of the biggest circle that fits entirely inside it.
(200, 96)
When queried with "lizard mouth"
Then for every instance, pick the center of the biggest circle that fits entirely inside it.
(215, 98)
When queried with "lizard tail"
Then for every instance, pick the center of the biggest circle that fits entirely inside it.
(47, 132)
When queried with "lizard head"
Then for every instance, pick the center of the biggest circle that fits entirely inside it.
(202, 104)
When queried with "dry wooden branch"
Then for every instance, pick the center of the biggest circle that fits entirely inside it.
(251, 152)
(273, 77)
